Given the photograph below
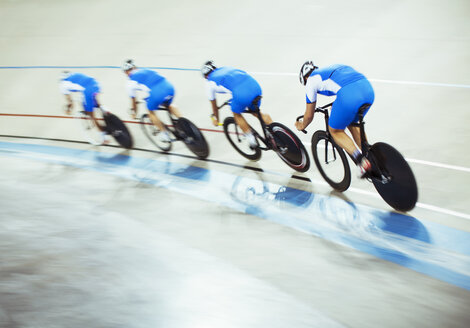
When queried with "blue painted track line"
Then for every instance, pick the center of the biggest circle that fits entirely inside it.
(435, 250)
(94, 67)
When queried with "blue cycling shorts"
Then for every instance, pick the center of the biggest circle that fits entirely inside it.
(160, 94)
(347, 103)
(244, 94)
(89, 97)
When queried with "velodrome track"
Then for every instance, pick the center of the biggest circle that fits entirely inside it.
(103, 237)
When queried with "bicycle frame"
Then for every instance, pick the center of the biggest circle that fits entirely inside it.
(324, 111)
(265, 140)
(170, 128)
(365, 146)
(382, 176)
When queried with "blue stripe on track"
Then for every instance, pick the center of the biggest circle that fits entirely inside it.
(427, 247)
(94, 67)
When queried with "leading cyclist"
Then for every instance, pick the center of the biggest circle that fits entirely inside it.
(352, 90)
(160, 93)
(89, 87)
(243, 88)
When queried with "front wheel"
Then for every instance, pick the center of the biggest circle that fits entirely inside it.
(153, 133)
(331, 161)
(90, 131)
(118, 130)
(192, 137)
(289, 147)
(393, 177)
(238, 140)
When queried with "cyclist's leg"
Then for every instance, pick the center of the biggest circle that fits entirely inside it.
(366, 95)
(90, 102)
(344, 112)
(245, 127)
(266, 117)
(245, 94)
(169, 99)
(241, 122)
(161, 94)
(174, 111)
(237, 110)
(340, 118)
(356, 134)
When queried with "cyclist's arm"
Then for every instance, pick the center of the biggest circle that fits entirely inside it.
(132, 87)
(134, 104)
(215, 109)
(311, 89)
(309, 112)
(65, 89)
(210, 91)
(68, 98)
(308, 116)
(69, 105)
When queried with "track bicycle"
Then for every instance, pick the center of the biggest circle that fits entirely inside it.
(181, 129)
(113, 126)
(275, 137)
(390, 173)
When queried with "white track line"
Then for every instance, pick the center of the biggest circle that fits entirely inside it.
(443, 211)
(435, 164)
(428, 207)
(441, 165)
(430, 84)
(420, 205)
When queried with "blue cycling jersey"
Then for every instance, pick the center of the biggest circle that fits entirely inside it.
(340, 74)
(243, 87)
(146, 77)
(159, 91)
(351, 88)
(329, 80)
(78, 82)
(228, 77)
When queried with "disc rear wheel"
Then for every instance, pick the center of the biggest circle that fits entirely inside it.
(192, 137)
(118, 130)
(289, 147)
(392, 177)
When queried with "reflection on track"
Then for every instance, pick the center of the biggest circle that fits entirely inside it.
(426, 247)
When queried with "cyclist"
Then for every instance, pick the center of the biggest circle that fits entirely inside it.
(89, 87)
(243, 88)
(352, 90)
(160, 93)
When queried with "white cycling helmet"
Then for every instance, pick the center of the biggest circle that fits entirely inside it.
(207, 68)
(128, 64)
(307, 68)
